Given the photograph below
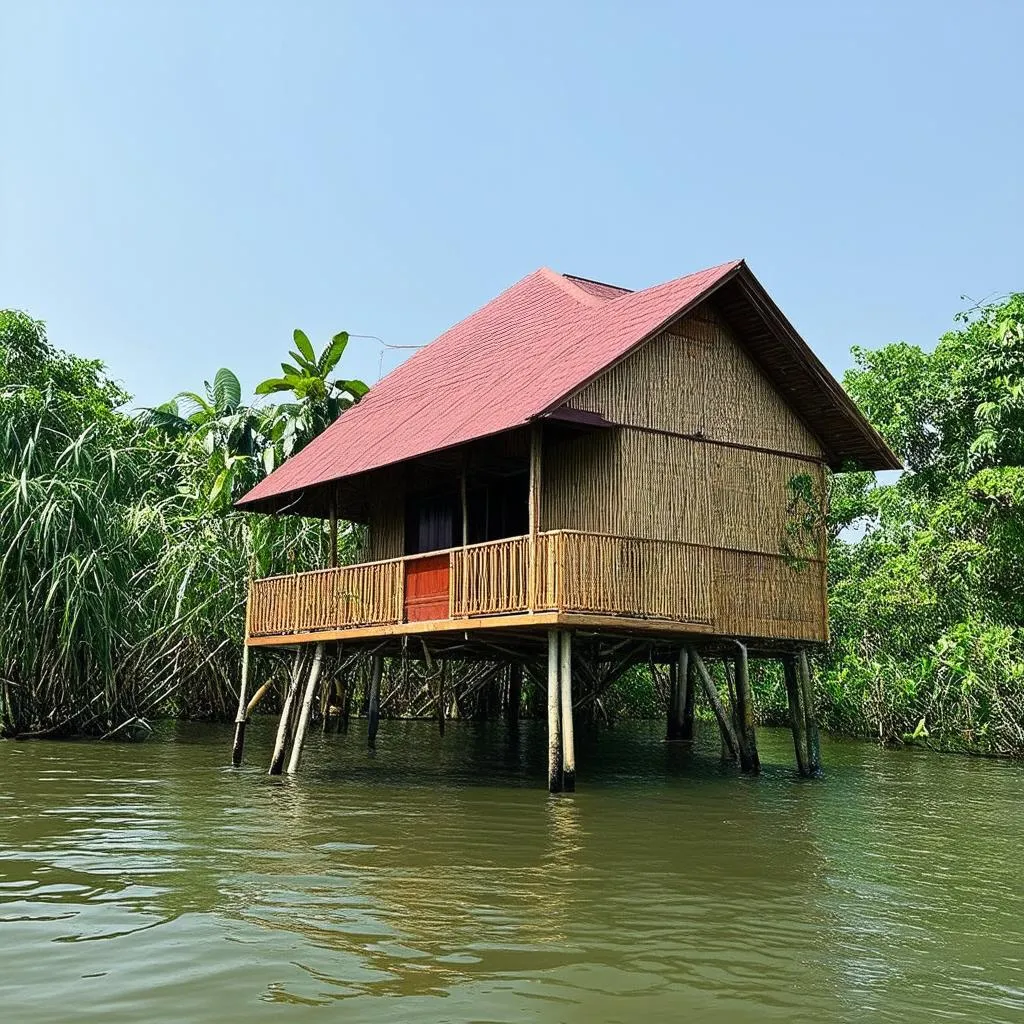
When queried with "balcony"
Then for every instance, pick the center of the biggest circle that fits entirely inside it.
(562, 572)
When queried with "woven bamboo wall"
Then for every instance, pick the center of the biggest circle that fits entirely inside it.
(765, 596)
(696, 379)
(635, 484)
(385, 532)
(647, 480)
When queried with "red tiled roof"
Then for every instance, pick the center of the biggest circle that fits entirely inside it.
(497, 369)
(597, 288)
(526, 352)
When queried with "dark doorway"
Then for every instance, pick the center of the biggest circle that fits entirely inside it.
(496, 507)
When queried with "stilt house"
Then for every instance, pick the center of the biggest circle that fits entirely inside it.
(642, 470)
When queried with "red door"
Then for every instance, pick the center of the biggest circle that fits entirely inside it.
(426, 588)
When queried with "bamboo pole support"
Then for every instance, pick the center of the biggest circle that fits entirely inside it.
(677, 702)
(256, 698)
(689, 695)
(710, 691)
(239, 743)
(813, 738)
(749, 759)
(515, 695)
(797, 720)
(565, 694)
(346, 706)
(373, 712)
(334, 534)
(441, 696)
(554, 708)
(536, 447)
(679, 694)
(673, 702)
(277, 761)
(307, 706)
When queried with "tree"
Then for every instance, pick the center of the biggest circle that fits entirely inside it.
(927, 604)
(319, 399)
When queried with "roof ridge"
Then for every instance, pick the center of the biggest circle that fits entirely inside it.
(573, 290)
(603, 284)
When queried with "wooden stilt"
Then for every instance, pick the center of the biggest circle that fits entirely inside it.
(677, 706)
(729, 739)
(255, 699)
(243, 686)
(515, 695)
(565, 690)
(441, 695)
(813, 738)
(749, 759)
(346, 704)
(277, 760)
(797, 719)
(307, 706)
(728, 665)
(373, 711)
(689, 693)
(672, 715)
(554, 709)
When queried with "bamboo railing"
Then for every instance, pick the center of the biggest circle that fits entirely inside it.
(737, 593)
(353, 595)
(491, 578)
(608, 575)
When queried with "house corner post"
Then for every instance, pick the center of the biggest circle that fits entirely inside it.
(745, 709)
(307, 707)
(810, 717)
(554, 714)
(565, 693)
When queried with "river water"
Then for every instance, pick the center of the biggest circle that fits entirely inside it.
(435, 880)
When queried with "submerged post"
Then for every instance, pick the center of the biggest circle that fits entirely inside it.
(749, 759)
(277, 761)
(689, 693)
(813, 738)
(515, 694)
(677, 701)
(797, 720)
(307, 706)
(565, 690)
(725, 726)
(554, 708)
(673, 701)
(441, 697)
(373, 712)
(236, 749)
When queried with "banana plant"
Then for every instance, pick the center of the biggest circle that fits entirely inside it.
(320, 396)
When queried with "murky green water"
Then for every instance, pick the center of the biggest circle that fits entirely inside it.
(436, 881)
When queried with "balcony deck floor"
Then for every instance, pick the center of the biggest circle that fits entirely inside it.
(517, 621)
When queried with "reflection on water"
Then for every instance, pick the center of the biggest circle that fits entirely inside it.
(152, 883)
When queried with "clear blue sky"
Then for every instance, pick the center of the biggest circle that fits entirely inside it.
(184, 183)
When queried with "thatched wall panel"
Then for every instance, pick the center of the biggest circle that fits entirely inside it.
(633, 483)
(385, 533)
(766, 596)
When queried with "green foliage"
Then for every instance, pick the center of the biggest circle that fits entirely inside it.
(319, 400)
(805, 520)
(122, 566)
(927, 603)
